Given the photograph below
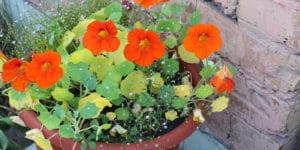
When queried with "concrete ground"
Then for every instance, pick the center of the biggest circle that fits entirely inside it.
(197, 141)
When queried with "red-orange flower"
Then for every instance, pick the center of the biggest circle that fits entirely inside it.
(101, 37)
(203, 40)
(14, 71)
(149, 3)
(223, 81)
(144, 47)
(44, 69)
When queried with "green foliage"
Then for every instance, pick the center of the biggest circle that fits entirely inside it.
(204, 91)
(62, 94)
(101, 65)
(66, 131)
(109, 89)
(166, 94)
(171, 41)
(195, 18)
(146, 100)
(179, 103)
(207, 72)
(50, 121)
(90, 110)
(170, 66)
(122, 113)
(170, 25)
(78, 72)
(134, 83)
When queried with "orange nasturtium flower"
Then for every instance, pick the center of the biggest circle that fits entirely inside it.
(44, 69)
(148, 3)
(101, 37)
(144, 47)
(223, 81)
(14, 71)
(203, 40)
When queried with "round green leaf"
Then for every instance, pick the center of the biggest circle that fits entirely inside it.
(122, 114)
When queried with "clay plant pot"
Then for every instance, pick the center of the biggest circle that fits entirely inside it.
(168, 141)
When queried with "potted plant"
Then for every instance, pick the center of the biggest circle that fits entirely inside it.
(116, 85)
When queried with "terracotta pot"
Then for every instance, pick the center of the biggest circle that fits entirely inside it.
(169, 140)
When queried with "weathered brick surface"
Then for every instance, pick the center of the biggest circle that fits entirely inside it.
(238, 135)
(265, 105)
(280, 19)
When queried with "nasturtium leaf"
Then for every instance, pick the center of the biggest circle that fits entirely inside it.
(167, 10)
(91, 102)
(111, 115)
(92, 144)
(182, 91)
(118, 129)
(170, 66)
(219, 104)
(118, 101)
(40, 108)
(195, 18)
(170, 25)
(51, 38)
(113, 8)
(134, 83)
(156, 82)
(166, 94)
(67, 38)
(62, 94)
(125, 68)
(59, 112)
(118, 55)
(20, 100)
(207, 71)
(122, 114)
(90, 83)
(101, 65)
(116, 16)
(66, 131)
(186, 56)
(171, 115)
(78, 72)
(81, 28)
(232, 69)
(39, 93)
(99, 15)
(109, 89)
(112, 75)
(179, 103)
(177, 8)
(37, 136)
(204, 91)
(146, 100)
(138, 25)
(171, 41)
(83, 146)
(49, 121)
(64, 55)
(89, 110)
(81, 55)
(64, 82)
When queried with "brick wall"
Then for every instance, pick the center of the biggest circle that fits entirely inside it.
(262, 40)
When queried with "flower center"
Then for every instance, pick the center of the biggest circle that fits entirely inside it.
(22, 67)
(203, 37)
(46, 66)
(103, 33)
(144, 44)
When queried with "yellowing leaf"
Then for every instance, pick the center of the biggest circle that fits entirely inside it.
(182, 91)
(156, 82)
(220, 104)
(198, 117)
(37, 136)
(118, 129)
(67, 39)
(81, 27)
(25, 101)
(110, 115)
(43, 143)
(96, 99)
(138, 25)
(62, 94)
(17, 120)
(81, 55)
(171, 115)
(187, 56)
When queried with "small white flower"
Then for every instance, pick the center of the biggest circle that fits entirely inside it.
(198, 117)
